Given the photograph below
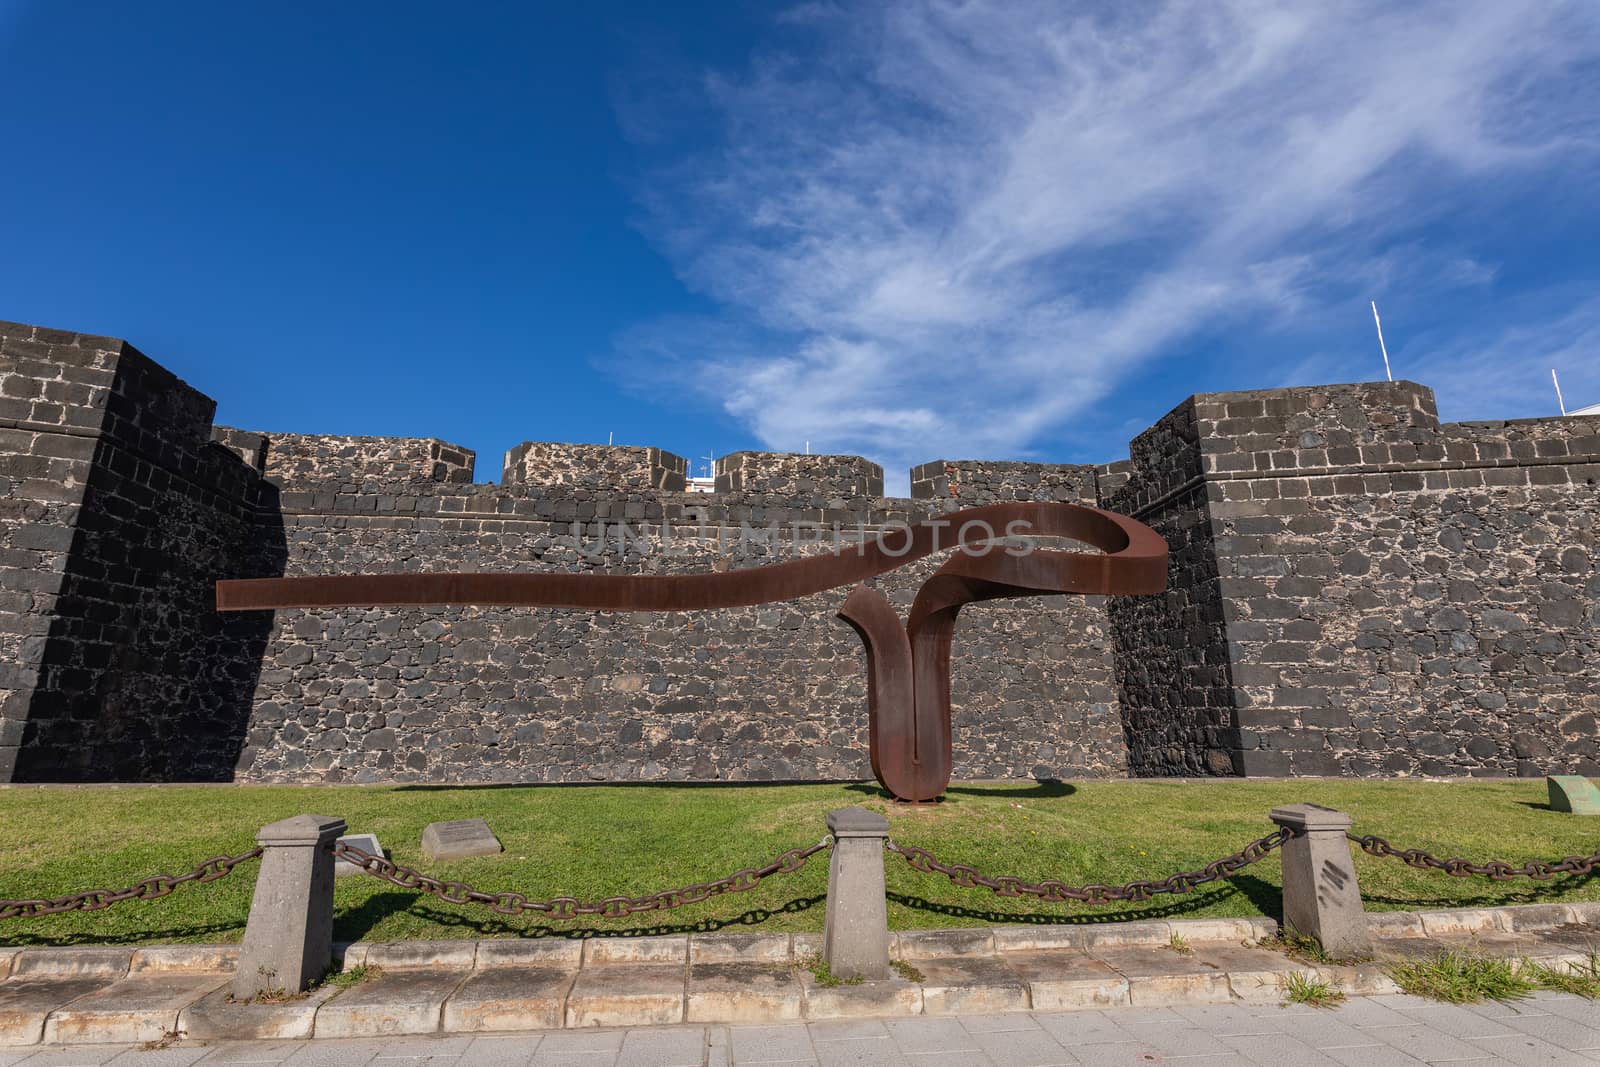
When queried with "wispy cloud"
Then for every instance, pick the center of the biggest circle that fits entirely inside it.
(948, 228)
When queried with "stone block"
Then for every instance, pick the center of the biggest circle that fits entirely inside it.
(393, 1002)
(1390, 924)
(1146, 933)
(934, 944)
(1573, 793)
(1457, 922)
(739, 948)
(602, 950)
(1021, 939)
(1159, 977)
(890, 997)
(409, 955)
(25, 1003)
(1254, 974)
(524, 952)
(458, 839)
(1066, 981)
(71, 962)
(509, 998)
(135, 1009)
(202, 959)
(218, 1017)
(368, 843)
(970, 985)
(627, 994)
(742, 993)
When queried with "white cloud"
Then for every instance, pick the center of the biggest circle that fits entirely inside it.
(949, 228)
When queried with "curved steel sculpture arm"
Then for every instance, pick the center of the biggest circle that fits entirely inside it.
(908, 668)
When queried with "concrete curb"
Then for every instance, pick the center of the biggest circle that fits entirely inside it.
(130, 995)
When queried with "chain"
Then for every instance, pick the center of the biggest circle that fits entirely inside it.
(1495, 870)
(1052, 891)
(153, 888)
(510, 903)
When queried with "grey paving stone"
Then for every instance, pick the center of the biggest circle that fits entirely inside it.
(848, 1030)
(1023, 1048)
(83, 1056)
(1557, 1029)
(583, 1041)
(1400, 1001)
(1366, 1011)
(950, 1059)
(1457, 1021)
(331, 1053)
(1372, 1056)
(1327, 1030)
(421, 1048)
(930, 1035)
(992, 1024)
(509, 1051)
(861, 1052)
(1167, 1040)
(768, 1044)
(1276, 1050)
(1121, 1054)
(1508, 1009)
(1074, 1028)
(1584, 1011)
(1426, 1043)
(1523, 1049)
(1221, 1019)
(177, 1056)
(244, 1052)
(663, 1048)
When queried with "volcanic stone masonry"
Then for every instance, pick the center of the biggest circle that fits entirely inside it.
(1356, 590)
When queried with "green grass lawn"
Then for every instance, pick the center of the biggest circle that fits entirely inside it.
(598, 841)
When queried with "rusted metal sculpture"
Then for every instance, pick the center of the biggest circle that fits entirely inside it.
(908, 667)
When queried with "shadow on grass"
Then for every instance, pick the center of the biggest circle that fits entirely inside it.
(188, 934)
(468, 787)
(1535, 893)
(1042, 789)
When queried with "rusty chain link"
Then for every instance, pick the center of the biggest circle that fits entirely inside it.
(512, 903)
(152, 888)
(1056, 892)
(1495, 870)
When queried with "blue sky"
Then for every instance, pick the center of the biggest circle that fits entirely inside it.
(912, 231)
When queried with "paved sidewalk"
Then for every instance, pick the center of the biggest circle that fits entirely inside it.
(1546, 1028)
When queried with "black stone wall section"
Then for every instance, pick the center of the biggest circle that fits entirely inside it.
(1171, 651)
(1405, 597)
(123, 515)
(1356, 589)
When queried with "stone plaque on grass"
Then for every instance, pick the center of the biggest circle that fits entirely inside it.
(1574, 793)
(367, 843)
(459, 839)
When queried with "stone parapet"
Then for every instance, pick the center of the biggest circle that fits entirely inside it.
(803, 480)
(595, 467)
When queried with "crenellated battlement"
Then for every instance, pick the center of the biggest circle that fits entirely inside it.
(597, 467)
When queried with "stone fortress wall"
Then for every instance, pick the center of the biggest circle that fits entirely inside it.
(1356, 589)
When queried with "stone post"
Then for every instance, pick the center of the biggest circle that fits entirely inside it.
(855, 934)
(1320, 896)
(288, 940)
